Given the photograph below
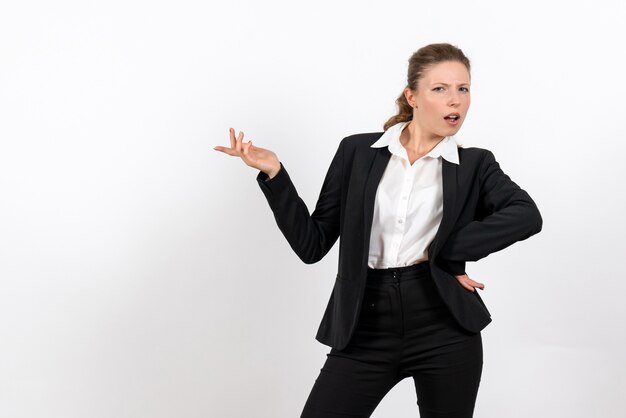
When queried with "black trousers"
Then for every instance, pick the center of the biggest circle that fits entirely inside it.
(404, 330)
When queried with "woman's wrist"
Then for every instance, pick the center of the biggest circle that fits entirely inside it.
(272, 172)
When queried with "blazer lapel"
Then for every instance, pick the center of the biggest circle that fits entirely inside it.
(449, 179)
(377, 168)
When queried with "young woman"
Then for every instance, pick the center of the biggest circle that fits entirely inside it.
(410, 207)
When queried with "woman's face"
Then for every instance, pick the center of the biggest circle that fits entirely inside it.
(444, 89)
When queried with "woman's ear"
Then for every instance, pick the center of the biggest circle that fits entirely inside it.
(410, 97)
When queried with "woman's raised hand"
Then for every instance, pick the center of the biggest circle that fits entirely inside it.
(259, 158)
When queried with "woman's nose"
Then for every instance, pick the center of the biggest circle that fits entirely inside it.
(454, 99)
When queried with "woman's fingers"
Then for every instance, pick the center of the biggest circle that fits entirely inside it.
(468, 283)
(232, 138)
(479, 285)
(246, 149)
(468, 286)
(239, 141)
(476, 284)
(225, 150)
(235, 149)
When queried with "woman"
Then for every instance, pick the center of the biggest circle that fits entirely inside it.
(411, 207)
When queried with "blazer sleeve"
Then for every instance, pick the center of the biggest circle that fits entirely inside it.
(310, 236)
(511, 216)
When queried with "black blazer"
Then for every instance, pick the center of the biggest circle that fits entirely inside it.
(484, 211)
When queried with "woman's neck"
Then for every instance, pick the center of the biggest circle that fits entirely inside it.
(416, 141)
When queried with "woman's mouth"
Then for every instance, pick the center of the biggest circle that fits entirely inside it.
(453, 119)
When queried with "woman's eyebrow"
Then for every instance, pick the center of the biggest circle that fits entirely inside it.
(445, 84)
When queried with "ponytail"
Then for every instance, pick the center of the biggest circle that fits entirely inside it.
(405, 112)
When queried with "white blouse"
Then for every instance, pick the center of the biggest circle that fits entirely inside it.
(409, 202)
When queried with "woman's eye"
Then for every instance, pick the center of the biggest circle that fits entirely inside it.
(462, 88)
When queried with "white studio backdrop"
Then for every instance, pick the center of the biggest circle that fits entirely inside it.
(142, 273)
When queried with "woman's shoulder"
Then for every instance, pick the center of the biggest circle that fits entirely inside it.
(362, 139)
(473, 154)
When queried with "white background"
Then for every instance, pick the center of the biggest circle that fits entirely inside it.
(142, 273)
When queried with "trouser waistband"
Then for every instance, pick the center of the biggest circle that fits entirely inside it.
(398, 274)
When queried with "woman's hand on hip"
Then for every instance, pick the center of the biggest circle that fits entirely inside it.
(468, 283)
(256, 157)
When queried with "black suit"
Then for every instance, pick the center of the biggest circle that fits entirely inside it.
(484, 211)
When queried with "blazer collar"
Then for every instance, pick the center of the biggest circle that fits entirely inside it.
(447, 148)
